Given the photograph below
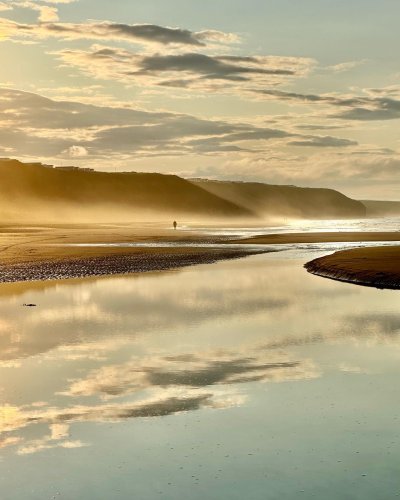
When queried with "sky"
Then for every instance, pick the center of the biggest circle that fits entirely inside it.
(303, 92)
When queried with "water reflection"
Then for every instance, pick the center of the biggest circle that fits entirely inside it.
(90, 312)
(384, 326)
(59, 419)
(127, 348)
(191, 370)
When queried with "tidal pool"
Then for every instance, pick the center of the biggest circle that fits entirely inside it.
(247, 379)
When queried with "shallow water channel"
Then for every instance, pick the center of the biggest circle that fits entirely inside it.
(247, 379)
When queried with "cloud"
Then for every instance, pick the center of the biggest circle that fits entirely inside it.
(14, 419)
(178, 62)
(388, 90)
(47, 14)
(184, 58)
(58, 438)
(359, 168)
(166, 383)
(328, 126)
(176, 383)
(345, 66)
(10, 441)
(311, 98)
(386, 326)
(134, 33)
(224, 67)
(76, 151)
(37, 126)
(94, 314)
(360, 108)
(33, 126)
(59, 1)
(38, 445)
(4, 7)
(189, 70)
(377, 168)
(324, 142)
(383, 109)
(193, 371)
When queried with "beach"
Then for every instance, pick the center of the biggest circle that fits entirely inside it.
(114, 262)
(215, 378)
(31, 253)
(35, 253)
(378, 267)
(322, 237)
(177, 360)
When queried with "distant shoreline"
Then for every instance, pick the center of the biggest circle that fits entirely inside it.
(377, 267)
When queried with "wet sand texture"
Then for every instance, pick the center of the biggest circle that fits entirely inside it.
(112, 264)
(378, 267)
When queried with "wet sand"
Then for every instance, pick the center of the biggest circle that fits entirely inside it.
(29, 253)
(378, 267)
(321, 237)
(33, 253)
(114, 263)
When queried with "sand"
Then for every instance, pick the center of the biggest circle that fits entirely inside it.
(378, 267)
(29, 253)
(42, 253)
(138, 262)
(322, 237)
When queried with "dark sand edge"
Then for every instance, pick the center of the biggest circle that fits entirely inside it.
(118, 264)
(377, 267)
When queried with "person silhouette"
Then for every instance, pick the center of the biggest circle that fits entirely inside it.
(175, 224)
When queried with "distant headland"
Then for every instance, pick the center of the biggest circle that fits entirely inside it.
(38, 191)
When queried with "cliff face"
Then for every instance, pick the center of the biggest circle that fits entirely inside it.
(382, 208)
(289, 201)
(33, 189)
(34, 192)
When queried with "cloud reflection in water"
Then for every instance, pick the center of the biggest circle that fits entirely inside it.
(169, 343)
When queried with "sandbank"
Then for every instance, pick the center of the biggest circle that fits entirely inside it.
(378, 267)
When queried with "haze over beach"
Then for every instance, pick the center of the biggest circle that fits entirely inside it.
(199, 249)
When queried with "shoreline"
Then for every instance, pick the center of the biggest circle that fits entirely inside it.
(320, 237)
(112, 264)
(38, 253)
(377, 267)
